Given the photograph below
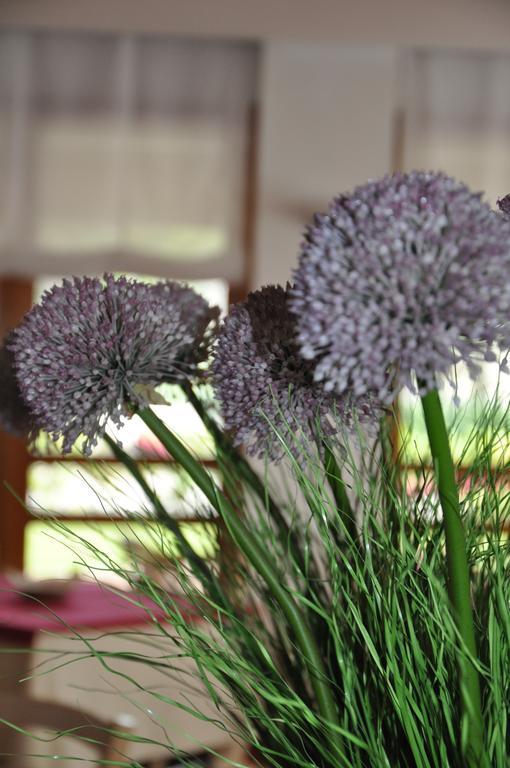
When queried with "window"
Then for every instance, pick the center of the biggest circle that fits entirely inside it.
(121, 153)
(456, 110)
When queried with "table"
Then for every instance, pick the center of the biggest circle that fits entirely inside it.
(84, 604)
(94, 609)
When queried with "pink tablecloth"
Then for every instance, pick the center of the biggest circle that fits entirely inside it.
(85, 605)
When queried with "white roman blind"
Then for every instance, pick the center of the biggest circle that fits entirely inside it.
(457, 119)
(457, 115)
(123, 153)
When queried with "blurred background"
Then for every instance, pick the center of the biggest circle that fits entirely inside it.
(193, 140)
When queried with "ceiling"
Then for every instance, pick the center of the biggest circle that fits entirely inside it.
(483, 24)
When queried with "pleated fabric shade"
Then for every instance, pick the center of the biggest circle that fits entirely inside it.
(123, 153)
(456, 107)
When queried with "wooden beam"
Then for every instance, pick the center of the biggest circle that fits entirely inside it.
(99, 460)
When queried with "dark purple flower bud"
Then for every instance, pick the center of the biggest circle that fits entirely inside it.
(265, 388)
(91, 349)
(400, 279)
(504, 205)
(15, 417)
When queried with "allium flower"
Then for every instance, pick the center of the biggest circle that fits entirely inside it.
(262, 382)
(504, 205)
(15, 417)
(91, 349)
(408, 273)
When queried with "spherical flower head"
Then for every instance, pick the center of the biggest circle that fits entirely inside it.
(15, 417)
(265, 388)
(198, 317)
(401, 279)
(92, 349)
(504, 206)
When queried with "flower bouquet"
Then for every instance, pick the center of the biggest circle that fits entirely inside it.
(362, 617)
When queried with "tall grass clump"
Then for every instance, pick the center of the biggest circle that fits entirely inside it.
(361, 618)
(376, 603)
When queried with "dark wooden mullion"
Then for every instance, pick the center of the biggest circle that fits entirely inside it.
(15, 300)
(238, 291)
(108, 517)
(463, 471)
(68, 458)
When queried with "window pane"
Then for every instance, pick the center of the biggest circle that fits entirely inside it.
(51, 552)
(214, 291)
(94, 488)
(480, 413)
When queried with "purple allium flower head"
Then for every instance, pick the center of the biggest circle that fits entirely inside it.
(406, 274)
(15, 417)
(91, 349)
(262, 382)
(504, 205)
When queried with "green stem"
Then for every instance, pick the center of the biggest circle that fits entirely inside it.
(198, 565)
(337, 486)
(200, 568)
(256, 555)
(458, 574)
(388, 472)
(248, 475)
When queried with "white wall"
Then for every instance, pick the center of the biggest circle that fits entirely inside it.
(327, 117)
